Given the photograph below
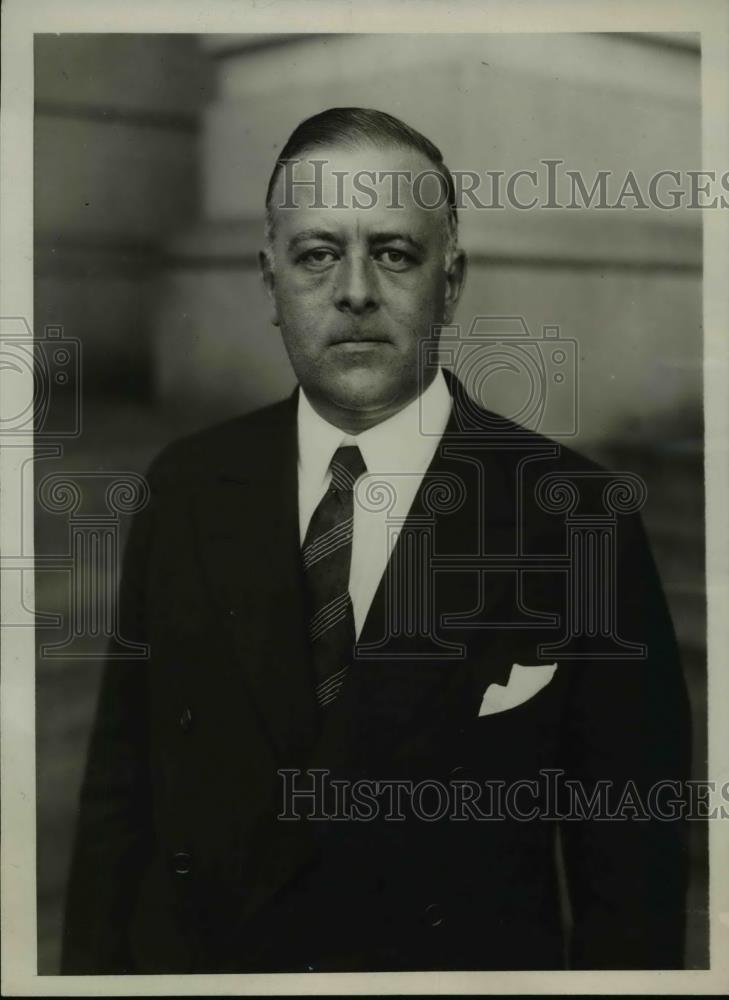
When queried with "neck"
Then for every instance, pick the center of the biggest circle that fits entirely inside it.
(358, 419)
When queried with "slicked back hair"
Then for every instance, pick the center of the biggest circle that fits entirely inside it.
(352, 127)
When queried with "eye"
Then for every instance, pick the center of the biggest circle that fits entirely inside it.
(395, 260)
(317, 258)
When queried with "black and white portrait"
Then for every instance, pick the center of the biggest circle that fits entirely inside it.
(366, 456)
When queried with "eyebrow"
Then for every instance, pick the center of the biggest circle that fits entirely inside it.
(393, 236)
(375, 238)
(311, 234)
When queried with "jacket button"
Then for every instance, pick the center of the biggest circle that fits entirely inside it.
(181, 863)
(186, 720)
(434, 915)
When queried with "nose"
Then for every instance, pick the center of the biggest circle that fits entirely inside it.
(356, 287)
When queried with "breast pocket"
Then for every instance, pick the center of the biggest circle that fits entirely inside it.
(515, 726)
(524, 683)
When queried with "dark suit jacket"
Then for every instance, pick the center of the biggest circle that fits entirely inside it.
(180, 863)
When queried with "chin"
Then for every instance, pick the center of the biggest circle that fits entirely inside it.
(361, 388)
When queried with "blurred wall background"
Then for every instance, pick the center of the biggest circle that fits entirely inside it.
(152, 158)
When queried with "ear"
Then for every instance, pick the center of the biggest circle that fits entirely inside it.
(455, 280)
(267, 274)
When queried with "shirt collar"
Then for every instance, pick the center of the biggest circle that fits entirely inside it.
(405, 442)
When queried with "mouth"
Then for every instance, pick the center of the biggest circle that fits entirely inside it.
(358, 347)
(359, 341)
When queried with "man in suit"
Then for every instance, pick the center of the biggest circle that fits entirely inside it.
(371, 590)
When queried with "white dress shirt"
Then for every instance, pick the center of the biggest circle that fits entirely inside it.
(397, 453)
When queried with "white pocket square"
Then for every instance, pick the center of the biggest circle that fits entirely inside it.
(523, 684)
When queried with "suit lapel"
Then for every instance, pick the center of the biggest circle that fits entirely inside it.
(249, 541)
(463, 509)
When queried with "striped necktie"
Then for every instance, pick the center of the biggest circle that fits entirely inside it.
(327, 554)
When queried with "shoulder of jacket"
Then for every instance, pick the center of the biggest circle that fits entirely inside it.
(511, 440)
(194, 454)
(518, 442)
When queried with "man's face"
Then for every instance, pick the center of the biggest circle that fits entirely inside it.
(356, 289)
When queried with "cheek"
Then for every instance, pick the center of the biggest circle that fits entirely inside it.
(417, 304)
(298, 305)
(300, 284)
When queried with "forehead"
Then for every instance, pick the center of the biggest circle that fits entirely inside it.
(362, 189)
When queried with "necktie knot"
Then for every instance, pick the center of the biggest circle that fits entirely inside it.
(346, 466)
